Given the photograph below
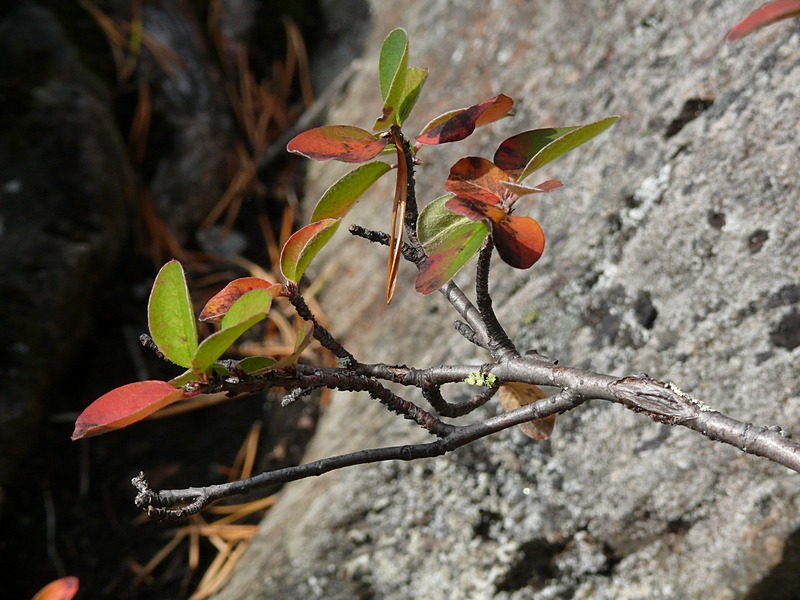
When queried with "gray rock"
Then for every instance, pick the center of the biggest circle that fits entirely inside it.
(673, 250)
(64, 178)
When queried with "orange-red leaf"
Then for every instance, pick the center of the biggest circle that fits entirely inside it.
(765, 15)
(338, 142)
(60, 589)
(519, 240)
(457, 124)
(125, 405)
(478, 179)
(216, 308)
(516, 395)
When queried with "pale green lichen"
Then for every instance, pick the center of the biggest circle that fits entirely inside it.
(478, 378)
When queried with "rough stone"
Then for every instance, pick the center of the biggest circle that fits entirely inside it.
(63, 183)
(651, 266)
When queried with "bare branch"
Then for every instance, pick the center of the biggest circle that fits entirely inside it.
(322, 335)
(456, 409)
(500, 344)
(162, 505)
(663, 402)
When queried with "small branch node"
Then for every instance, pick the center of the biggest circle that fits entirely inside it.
(467, 332)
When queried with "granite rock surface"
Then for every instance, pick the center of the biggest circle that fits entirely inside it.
(673, 250)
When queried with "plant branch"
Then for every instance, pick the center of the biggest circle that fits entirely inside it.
(413, 254)
(661, 401)
(320, 333)
(500, 345)
(434, 397)
(177, 504)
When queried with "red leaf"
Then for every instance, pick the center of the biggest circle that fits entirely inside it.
(763, 16)
(60, 589)
(519, 241)
(478, 179)
(338, 142)
(457, 124)
(125, 405)
(216, 308)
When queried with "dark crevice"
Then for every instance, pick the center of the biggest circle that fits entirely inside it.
(692, 109)
(782, 582)
(533, 567)
(756, 240)
(786, 333)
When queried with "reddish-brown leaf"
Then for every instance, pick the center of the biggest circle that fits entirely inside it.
(125, 405)
(516, 395)
(765, 15)
(60, 589)
(216, 308)
(515, 152)
(457, 124)
(478, 179)
(338, 142)
(496, 108)
(519, 241)
(490, 214)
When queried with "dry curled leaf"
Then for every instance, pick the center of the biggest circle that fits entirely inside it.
(517, 395)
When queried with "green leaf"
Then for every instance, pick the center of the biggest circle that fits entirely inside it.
(184, 378)
(345, 143)
(217, 343)
(304, 244)
(541, 146)
(305, 335)
(248, 310)
(170, 315)
(392, 74)
(343, 195)
(249, 304)
(449, 240)
(222, 301)
(415, 79)
(435, 218)
(251, 364)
